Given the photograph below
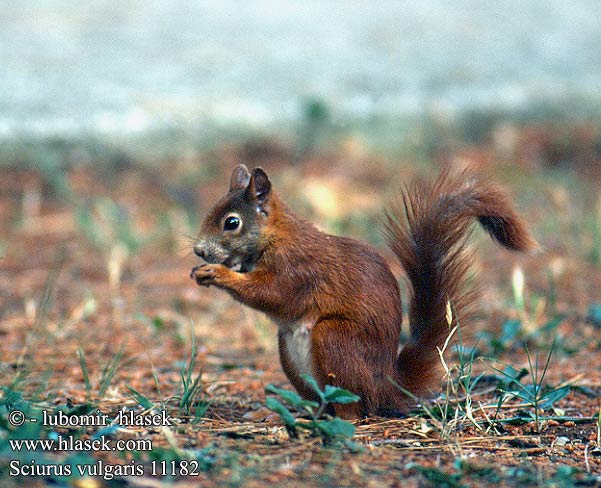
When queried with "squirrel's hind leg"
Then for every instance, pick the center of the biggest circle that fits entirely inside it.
(343, 356)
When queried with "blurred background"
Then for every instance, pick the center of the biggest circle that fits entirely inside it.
(121, 121)
(156, 79)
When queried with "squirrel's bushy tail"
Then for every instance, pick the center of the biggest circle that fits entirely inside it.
(433, 250)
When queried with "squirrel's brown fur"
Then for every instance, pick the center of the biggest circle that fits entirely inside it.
(335, 300)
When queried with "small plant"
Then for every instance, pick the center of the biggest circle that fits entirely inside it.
(330, 429)
(142, 400)
(512, 331)
(106, 377)
(109, 228)
(463, 384)
(534, 394)
(438, 477)
(41, 313)
(86, 375)
(188, 401)
(455, 405)
(108, 372)
(536, 318)
(165, 460)
(529, 316)
(107, 224)
(14, 438)
(191, 385)
(568, 476)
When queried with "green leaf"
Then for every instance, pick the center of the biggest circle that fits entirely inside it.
(551, 396)
(566, 476)
(308, 405)
(513, 376)
(141, 399)
(334, 394)
(437, 477)
(336, 428)
(200, 409)
(289, 396)
(313, 384)
(511, 330)
(276, 406)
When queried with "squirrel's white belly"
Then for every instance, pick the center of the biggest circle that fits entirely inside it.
(297, 336)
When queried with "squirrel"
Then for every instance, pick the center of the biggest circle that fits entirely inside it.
(335, 300)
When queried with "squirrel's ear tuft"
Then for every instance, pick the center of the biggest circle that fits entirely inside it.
(240, 178)
(259, 186)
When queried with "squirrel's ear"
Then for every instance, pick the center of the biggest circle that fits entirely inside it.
(240, 178)
(259, 186)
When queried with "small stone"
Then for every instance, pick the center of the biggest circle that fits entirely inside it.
(561, 441)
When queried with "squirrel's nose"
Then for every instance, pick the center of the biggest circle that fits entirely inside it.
(200, 252)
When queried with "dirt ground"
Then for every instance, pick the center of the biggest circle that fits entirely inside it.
(96, 301)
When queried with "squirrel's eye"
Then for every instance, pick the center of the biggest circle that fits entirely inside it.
(231, 223)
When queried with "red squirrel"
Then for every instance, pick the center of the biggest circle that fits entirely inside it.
(335, 300)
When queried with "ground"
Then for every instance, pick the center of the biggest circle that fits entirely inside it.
(98, 312)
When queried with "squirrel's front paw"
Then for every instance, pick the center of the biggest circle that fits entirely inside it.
(206, 274)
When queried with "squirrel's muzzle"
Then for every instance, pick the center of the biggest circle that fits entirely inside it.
(199, 251)
(211, 251)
